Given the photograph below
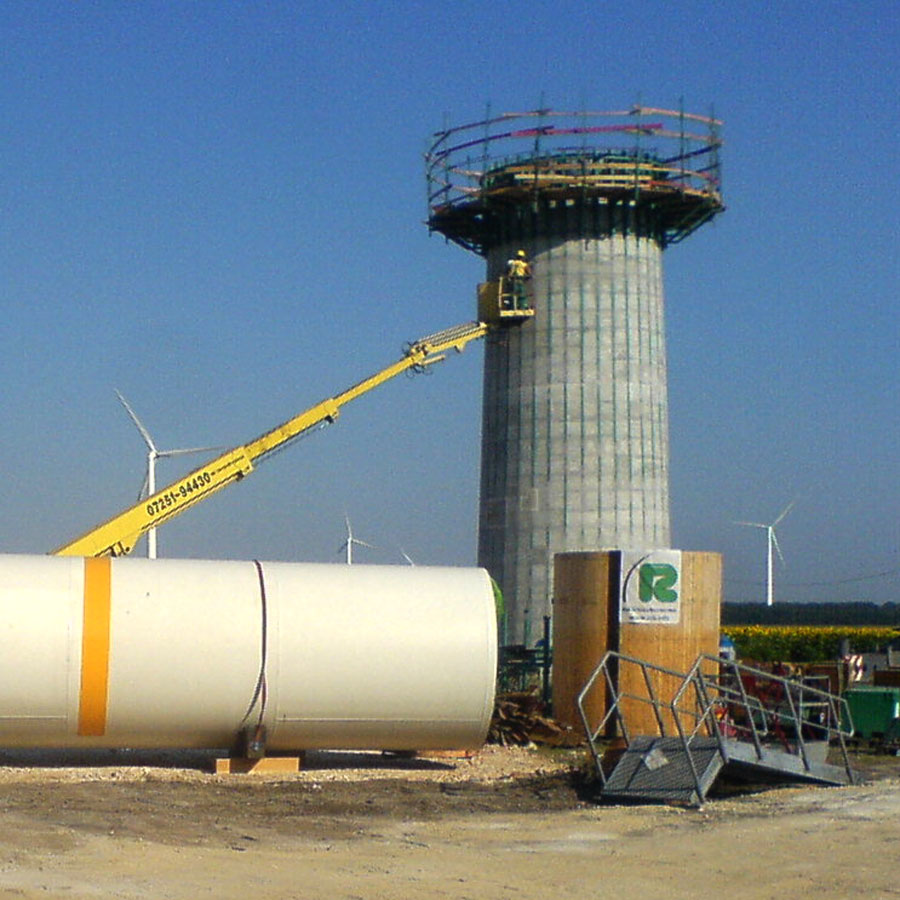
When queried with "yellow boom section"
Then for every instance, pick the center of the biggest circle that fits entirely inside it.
(118, 536)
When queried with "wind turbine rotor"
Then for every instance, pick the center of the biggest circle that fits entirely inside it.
(784, 512)
(148, 487)
(771, 545)
(184, 451)
(774, 540)
(138, 424)
(351, 541)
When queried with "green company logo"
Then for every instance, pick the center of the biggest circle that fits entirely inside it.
(656, 582)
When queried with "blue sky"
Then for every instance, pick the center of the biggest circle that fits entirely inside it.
(217, 208)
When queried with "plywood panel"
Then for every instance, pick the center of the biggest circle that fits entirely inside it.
(584, 628)
(586, 624)
(674, 647)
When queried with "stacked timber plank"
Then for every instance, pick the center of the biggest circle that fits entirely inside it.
(519, 720)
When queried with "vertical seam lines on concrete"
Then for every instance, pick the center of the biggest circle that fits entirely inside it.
(660, 419)
(614, 285)
(614, 387)
(602, 301)
(644, 383)
(586, 351)
(658, 394)
(662, 388)
(629, 379)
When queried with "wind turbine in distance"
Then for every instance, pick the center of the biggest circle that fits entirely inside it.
(350, 541)
(153, 454)
(772, 542)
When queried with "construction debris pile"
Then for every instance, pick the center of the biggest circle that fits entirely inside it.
(519, 720)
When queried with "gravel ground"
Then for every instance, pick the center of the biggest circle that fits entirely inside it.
(491, 763)
(510, 823)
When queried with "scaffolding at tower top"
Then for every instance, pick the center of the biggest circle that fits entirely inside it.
(662, 162)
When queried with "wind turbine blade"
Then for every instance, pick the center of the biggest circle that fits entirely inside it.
(753, 524)
(138, 423)
(143, 491)
(775, 545)
(404, 554)
(360, 543)
(785, 511)
(184, 451)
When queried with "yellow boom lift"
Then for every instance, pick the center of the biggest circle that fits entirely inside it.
(118, 535)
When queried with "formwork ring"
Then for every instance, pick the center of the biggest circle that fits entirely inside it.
(662, 161)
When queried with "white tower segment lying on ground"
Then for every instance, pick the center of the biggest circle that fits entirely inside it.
(575, 450)
(189, 653)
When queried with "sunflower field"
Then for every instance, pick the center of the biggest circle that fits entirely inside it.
(806, 643)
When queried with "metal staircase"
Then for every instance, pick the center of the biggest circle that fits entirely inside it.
(719, 717)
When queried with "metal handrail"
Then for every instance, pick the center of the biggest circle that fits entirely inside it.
(790, 691)
(613, 658)
(714, 694)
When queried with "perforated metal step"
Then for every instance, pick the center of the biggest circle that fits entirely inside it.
(664, 770)
(773, 764)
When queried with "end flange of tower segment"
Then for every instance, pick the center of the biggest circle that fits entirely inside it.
(660, 166)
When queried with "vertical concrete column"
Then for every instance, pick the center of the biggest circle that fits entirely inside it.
(575, 444)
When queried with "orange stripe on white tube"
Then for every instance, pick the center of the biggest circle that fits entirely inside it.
(95, 648)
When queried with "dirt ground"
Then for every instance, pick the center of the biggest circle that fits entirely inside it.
(511, 823)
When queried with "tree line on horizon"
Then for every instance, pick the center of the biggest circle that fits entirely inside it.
(854, 613)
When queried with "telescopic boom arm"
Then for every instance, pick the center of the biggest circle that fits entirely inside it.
(118, 536)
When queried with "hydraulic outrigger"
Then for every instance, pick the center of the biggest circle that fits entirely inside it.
(118, 535)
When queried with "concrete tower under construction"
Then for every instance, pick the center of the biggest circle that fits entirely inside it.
(575, 447)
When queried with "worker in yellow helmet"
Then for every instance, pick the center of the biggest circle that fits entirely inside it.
(518, 271)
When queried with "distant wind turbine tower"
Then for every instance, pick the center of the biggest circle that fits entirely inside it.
(153, 454)
(347, 546)
(771, 549)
